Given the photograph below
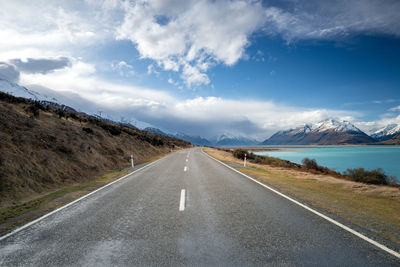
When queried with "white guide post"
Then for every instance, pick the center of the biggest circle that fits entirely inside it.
(133, 165)
(244, 161)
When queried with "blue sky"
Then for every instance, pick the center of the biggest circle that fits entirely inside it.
(210, 67)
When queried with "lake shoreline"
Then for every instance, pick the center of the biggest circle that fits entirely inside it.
(341, 158)
(281, 147)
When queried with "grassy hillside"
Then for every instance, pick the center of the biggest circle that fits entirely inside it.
(44, 148)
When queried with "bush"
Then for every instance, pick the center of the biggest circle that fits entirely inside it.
(73, 116)
(112, 129)
(65, 149)
(60, 113)
(34, 108)
(87, 130)
(239, 153)
(312, 164)
(369, 177)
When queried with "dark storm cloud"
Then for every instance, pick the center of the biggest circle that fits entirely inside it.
(44, 65)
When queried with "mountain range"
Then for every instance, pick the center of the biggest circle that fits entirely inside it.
(328, 132)
(389, 135)
(222, 140)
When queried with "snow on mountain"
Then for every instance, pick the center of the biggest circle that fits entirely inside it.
(338, 126)
(302, 130)
(228, 139)
(196, 140)
(328, 132)
(387, 131)
(20, 91)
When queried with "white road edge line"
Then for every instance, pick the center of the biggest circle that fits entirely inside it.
(369, 240)
(73, 202)
(182, 201)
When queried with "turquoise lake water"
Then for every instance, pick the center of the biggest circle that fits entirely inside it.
(341, 158)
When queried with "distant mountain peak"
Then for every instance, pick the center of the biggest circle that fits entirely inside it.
(21, 91)
(335, 125)
(327, 132)
(387, 132)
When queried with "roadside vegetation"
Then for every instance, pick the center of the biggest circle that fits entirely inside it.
(373, 207)
(377, 176)
(45, 148)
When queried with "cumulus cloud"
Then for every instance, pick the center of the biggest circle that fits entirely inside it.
(8, 72)
(191, 36)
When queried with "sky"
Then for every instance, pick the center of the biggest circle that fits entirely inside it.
(245, 68)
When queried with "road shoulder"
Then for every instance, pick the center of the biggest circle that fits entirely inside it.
(372, 212)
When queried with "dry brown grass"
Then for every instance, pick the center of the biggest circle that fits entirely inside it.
(32, 207)
(43, 153)
(372, 207)
(46, 160)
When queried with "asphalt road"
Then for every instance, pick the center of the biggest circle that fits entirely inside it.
(226, 220)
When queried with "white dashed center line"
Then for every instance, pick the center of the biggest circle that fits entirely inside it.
(182, 201)
(185, 169)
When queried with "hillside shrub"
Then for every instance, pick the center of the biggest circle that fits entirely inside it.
(34, 108)
(65, 150)
(12, 99)
(239, 153)
(311, 164)
(376, 176)
(87, 130)
(60, 113)
(112, 129)
(73, 116)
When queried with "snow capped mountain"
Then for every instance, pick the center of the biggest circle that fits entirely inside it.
(328, 132)
(196, 140)
(222, 140)
(387, 132)
(228, 139)
(20, 91)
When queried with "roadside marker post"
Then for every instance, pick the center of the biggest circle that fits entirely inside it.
(244, 162)
(133, 165)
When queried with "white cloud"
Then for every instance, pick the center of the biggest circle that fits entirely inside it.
(151, 69)
(193, 35)
(52, 29)
(397, 108)
(333, 19)
(123, 68)
(207, 116)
